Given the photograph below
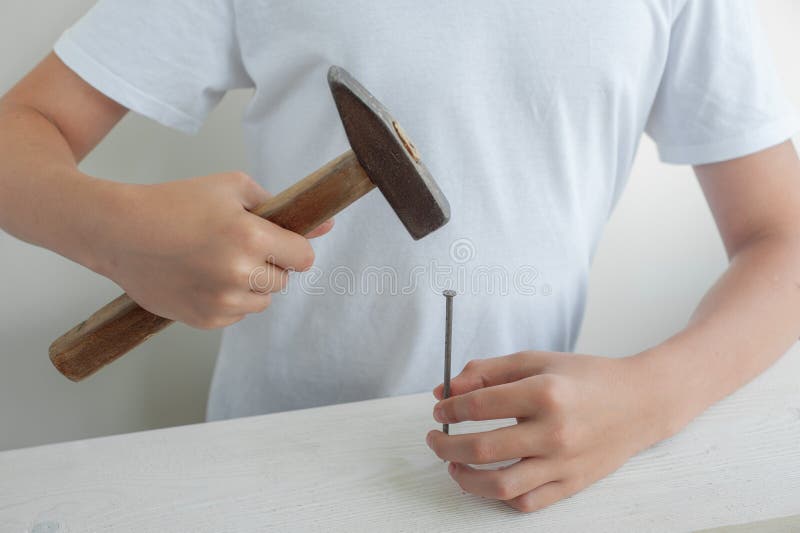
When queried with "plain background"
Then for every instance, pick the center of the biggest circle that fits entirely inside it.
(659, 254)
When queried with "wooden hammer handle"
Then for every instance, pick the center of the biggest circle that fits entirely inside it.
(122, 324)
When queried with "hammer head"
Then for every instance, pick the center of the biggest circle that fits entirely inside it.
(388, 156)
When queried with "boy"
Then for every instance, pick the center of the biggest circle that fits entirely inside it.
(528, 114)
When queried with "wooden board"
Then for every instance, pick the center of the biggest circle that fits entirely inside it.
(365, 467)
(786, 524)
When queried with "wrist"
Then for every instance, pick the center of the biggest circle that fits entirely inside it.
(101, 223)
(664, 404)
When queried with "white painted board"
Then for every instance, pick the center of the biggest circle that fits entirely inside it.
(365, 467)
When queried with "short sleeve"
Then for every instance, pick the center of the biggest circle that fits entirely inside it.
(719, 96)
(169, 60)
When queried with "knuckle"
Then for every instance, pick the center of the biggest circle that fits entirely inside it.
(472, 366)
(250, 237)
(307, 257)
(205, 318)
(194, 322)
(434, 445)
(209, 323)
(257, 282)
(503, 488)
(242, 270)
(473, 407)
(560, 435)
(526, 505)
(519, 357)
(223, 301)
(548, 393)
(268, 279)
(239, 177)
(481, 451)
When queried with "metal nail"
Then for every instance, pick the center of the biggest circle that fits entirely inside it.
(448, 341)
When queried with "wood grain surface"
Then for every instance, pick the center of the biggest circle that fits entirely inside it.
(365, 467)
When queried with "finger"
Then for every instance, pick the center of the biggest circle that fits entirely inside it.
(480, 373)
(541, 497)
(216, 323)
(488, 447)
(510, 400)
(252, 194)
(321, 230)
(256, 303)
(267, 278)
(285, 248)
(504, 483)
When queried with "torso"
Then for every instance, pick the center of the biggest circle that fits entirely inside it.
(528, 114)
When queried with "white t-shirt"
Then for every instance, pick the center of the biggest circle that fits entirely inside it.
(528, 114)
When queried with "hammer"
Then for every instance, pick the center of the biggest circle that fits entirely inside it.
(381, 155)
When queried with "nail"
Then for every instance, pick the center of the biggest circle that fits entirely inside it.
(448, 341)
(438, 415)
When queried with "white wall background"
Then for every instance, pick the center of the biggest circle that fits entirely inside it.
(659, 254)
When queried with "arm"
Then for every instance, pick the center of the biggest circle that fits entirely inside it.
(751, 316)
(183, 250)
(581, 417)
(48, 123)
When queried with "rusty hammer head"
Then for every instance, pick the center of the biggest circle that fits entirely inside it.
(388, 156)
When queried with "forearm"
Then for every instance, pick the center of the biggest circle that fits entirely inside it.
(44, 198)
(747, 320)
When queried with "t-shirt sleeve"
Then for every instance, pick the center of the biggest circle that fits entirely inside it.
(169, 60)
(719, 97)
